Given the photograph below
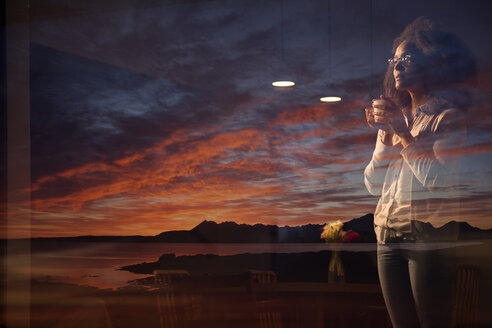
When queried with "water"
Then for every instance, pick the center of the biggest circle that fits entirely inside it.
(96, 264)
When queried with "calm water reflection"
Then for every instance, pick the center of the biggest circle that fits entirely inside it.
(96, 264)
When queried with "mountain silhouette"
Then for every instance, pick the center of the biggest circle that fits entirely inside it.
(231, 232)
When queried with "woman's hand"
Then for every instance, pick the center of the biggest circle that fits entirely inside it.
(396, 122)
(393, 116)
(370, 117)
(386, 134)
(379, 118)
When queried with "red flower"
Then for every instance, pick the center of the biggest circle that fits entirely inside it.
(350, 236)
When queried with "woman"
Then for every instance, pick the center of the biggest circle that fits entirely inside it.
(414, 171)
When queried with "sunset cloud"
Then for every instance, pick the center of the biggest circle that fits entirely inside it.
(155, 118)
(295, 170)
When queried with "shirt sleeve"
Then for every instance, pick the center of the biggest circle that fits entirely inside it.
(375, 171)
(434, 158)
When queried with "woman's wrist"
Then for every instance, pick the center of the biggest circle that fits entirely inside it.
(386, 138)
(406, 139)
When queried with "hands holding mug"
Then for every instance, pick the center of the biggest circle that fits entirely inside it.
(385, 115)
(381, 114)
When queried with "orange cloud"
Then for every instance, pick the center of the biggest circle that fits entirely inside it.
(305, 166)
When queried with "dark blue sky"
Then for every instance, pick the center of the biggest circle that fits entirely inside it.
(150, 117)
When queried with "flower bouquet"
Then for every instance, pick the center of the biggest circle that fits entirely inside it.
(333, 232)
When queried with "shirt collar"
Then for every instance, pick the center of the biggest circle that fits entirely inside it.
(432, 107)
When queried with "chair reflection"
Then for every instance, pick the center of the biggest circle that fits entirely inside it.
(176, 308)
(167, 277)
(267, 316)
(262, 277)
(467, 297)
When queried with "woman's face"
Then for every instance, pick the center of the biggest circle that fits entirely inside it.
(407, 68)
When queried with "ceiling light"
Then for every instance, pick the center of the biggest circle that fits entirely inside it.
(283, 84)
(330, 99)
(283, 74)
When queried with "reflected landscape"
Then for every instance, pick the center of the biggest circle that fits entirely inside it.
(80, 284)
(155, 174)
(96, 264)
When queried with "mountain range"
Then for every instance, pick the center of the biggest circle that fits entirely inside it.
(231, 232)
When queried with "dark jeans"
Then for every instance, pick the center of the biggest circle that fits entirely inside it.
(417, 285)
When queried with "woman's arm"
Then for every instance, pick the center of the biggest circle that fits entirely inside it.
(434, 159)
(375, 172)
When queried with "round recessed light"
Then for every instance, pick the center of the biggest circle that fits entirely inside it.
(330, 99)
(283, 84)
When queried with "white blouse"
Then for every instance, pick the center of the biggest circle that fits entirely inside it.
(421, 181)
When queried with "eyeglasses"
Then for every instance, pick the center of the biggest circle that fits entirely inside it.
(405, 60)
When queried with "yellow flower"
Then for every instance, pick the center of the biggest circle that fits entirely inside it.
(331, 231)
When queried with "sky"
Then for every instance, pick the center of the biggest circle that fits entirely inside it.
(148, 117)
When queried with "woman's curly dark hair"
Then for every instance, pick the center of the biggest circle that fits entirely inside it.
(450, 66)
